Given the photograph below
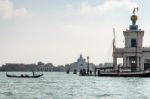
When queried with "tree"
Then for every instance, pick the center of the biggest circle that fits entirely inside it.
(40, 63)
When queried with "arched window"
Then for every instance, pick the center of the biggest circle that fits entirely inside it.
(133, 43)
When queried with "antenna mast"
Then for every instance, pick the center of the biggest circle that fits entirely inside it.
(114, 46)
(114, 40)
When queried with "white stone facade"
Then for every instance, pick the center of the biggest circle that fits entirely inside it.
(81, 64)
(135, 56)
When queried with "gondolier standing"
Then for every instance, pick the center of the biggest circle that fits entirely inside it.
(33, 73)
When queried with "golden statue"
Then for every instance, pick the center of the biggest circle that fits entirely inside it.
(134, 17)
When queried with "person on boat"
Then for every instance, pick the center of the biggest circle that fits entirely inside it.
(84, 72)
(95, 71)
(90, 72)
(99, 73)
(22, 75)
(33, 73)
(81, 72)
(118, 69)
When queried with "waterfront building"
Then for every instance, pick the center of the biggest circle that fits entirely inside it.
(135, 56)
(108, 64)
(27, 67)
(18, 67)
(45, 67)
(81, 63)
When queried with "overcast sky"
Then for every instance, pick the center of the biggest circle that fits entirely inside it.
(58, 31)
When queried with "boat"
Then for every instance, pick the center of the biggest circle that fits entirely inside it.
(75, 71)
(24, 76)
(125, 74)
(68, 70)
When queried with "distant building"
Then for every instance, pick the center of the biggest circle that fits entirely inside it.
(80, 64)
(45, 67)
(108, 64)
(27, 67)
(18, 67)
(60, 68)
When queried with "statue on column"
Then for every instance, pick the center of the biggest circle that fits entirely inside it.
(134, 17)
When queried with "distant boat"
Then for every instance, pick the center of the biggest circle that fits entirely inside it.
(75, 71)
(24, 76)
(68, 71)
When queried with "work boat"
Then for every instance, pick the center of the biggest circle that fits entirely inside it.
(136, 58)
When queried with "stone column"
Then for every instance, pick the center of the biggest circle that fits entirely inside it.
(127, 64)
(115, 62)
(138, 67)
(124, 61)
(142, 63)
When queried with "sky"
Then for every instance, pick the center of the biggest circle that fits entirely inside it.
(58, 31)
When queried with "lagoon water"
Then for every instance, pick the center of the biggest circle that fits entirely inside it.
(59, 85)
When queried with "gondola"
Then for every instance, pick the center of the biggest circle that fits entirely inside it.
(24, 76)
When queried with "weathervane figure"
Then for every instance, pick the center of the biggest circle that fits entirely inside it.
(135, 9)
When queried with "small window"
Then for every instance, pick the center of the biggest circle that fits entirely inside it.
(81, 64)
(133, 61)
(133, 43)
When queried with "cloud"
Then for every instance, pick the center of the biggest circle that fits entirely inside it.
(69, 6)
(67, 26)
(8, 11)
(86, 8)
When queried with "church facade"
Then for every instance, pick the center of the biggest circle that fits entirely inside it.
(80, 64)
(135, 56)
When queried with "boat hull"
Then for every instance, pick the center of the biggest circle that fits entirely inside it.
(14, 76)
(121, 74)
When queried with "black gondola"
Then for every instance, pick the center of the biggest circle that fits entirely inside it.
(24, 76)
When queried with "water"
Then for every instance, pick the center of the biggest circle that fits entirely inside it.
(55, 85)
